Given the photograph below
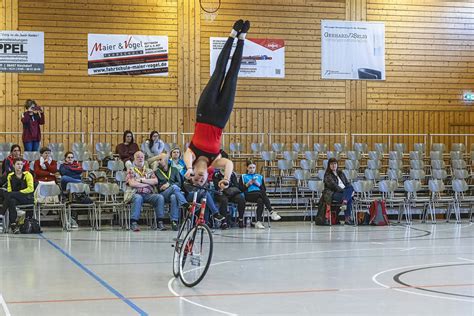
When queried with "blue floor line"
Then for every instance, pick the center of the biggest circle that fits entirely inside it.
(96, 277)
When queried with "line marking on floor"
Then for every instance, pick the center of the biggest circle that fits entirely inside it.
(170, 288)
(404, 288)
(4, 306)
(96, 277)
(461, 258)
(269, 256)
(235, 294)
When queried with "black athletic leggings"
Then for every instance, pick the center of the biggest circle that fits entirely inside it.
(217, 99)
(261, 198)
(12, 199)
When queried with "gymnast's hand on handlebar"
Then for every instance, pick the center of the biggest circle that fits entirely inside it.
(189, 173)
(223, 184)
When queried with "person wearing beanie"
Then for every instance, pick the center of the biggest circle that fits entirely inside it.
(338, 188)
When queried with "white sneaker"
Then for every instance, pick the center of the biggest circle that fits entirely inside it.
(259, 225)
(274, 216)
(73, 223)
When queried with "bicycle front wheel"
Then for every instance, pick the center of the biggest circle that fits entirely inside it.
(196, 255)
(184, 228)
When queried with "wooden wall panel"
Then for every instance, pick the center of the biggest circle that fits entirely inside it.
(428, 54)
(66, 25)
(298, 24)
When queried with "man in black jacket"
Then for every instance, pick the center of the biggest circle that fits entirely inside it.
(230, 194)
(169, 186)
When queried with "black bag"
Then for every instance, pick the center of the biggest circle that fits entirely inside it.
(232, 191)
(81, 198)
(30, 226)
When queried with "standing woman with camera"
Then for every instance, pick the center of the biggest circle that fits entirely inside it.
(32, 118)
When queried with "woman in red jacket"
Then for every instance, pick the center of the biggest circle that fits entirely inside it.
(45, 168)
(32, 118)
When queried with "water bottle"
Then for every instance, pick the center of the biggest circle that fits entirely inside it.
(247, 223)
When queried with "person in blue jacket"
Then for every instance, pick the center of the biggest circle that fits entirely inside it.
(253, 185)
(70, 170)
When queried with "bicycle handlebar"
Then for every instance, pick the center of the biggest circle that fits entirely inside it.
(203, 188)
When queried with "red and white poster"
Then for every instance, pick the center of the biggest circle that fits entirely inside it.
(262, 58)
(127, 55)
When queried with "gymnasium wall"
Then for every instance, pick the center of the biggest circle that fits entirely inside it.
(429, 63)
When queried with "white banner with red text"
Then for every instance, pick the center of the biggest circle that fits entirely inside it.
(262, 58)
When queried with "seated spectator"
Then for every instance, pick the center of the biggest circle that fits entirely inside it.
(70, 170)
(152, 148)
(177, 161)
(253, 185)
(127, 149)
(200, 180)
(338, 188)
(15, 152)
(45, 170)
(230, 194)
(140, 183)
(20, 189)
(169, 186)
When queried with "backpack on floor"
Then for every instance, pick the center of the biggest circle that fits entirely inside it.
(30, 226)
(378, 213)
(363, 218)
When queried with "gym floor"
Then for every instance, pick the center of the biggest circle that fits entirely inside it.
(294, 268)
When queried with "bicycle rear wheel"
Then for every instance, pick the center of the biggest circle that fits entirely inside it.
(183, 230)
(196, 255)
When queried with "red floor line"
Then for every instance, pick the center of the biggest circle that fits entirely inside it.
(234, 294)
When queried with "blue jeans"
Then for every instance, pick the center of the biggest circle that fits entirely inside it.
(32, 146)
(210, 205)
(175, 197)
(345, 195)
(67, 179)
(156, 200)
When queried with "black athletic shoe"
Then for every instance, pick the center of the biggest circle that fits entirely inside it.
(218, 217)
(238, 25)
(245, 28)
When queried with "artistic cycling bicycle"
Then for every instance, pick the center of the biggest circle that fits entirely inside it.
(194, 244)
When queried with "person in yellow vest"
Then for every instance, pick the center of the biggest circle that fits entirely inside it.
(20, 188)
(169, 186)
